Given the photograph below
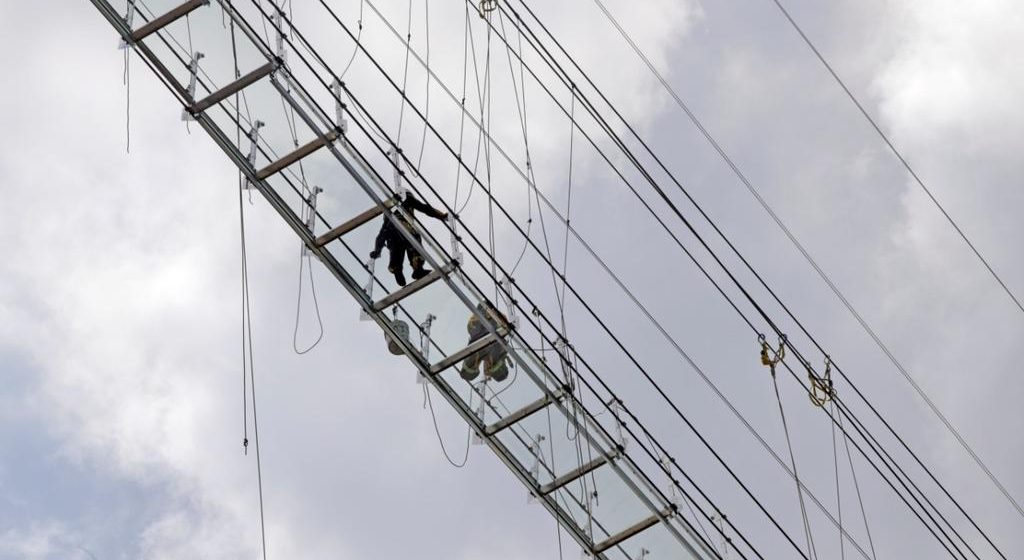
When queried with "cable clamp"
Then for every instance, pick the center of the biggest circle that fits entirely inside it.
(822, 390)
(193, 69)
(766, 350)
(254, 136)
(129, 17)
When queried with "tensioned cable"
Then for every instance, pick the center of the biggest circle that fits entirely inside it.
(811, 549)
(949, 218)
(803, 251)
(172, 91)
(359, 36)
(757, 307)
(323, 83)
(521, 108)
(344, 27)
(906, 165)
(839, 497)
(574, 233)
(247, 332)
(761, 280)
(423, 139)
(742, 315)
(856, 486)
(405, 76)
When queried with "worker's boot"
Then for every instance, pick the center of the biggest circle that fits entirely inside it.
(418, 270)
(469, 371)
(496, 369)
(399, 275)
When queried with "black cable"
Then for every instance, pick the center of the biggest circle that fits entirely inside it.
(761, 280)
(828, 281)
(919, 182)
(323, 83)
(408, 162)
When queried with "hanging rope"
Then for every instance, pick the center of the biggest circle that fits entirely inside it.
(839, 498)
(247, 351)
(437, 430)
(482, 131)
(126, 80)
(405, 76)
(771, 363)
(305, 262)
(568, 198)
(359, 36)
(426, 109)
(821, 387)
(856, 486)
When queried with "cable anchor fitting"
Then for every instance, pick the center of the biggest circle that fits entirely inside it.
(766, 350)
(822, 390)
(254, 136)
(487, 6)
(128, 19)
(193, 69)
(311, 218)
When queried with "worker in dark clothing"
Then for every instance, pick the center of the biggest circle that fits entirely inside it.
(492, 357)
(398, 245)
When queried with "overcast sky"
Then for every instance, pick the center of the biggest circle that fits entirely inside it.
(120, 352)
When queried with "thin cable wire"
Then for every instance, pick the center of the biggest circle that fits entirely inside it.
(344, 27)
(906, 165)
(839, 498)
(423, 139)
(754, 192)
(856, 485)
(359, 36)
(811, 550)
(126, 80)
(405, 76)
(304, 262)
(378, 127)
(557, 67)
(995, 480)
(437, 430)
(247, 332)
(378, 14)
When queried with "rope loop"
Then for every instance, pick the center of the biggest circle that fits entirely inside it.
(822, 390)
(766, 350)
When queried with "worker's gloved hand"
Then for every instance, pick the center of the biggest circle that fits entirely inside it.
(374, 254)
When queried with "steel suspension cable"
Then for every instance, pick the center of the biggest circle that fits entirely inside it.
(806, 254)
(757, 275)
(834, 521)
(410, 163)
(910, 170)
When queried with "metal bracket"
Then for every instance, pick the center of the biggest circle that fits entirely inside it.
(481, 410)
(537, 458)
(128, 19)
(425, 345)
(254, 136)
(311, 217)
(396, 162)
(278, 21)
(456, 248)
(339, 107)
(193, 69)
(368, 288)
